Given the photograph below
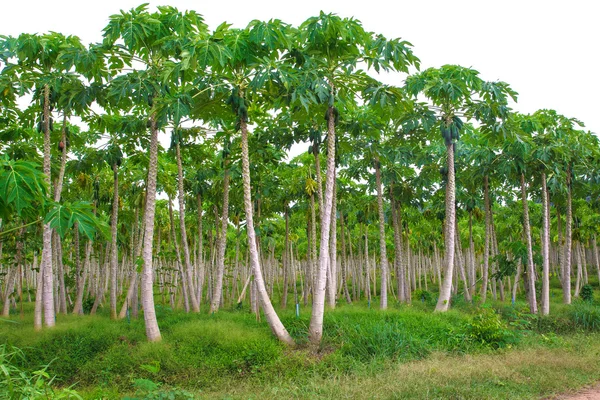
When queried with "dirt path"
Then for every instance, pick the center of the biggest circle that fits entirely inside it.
(591, 393)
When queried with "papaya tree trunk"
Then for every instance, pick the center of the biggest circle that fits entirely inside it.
(46, 270)
(272, 318)
(383, 301)
(461, 266)
(152, 330)
(400, 281)
(114, 251)
(201, 264)
(332, 267)
(189, 281)
(315, 330)
(344, 261)
(449, 232)
(488, 234)
(472, 275)
(545, 249)
(221, 244)
(566, 277)
(286, 259)
(530, 267)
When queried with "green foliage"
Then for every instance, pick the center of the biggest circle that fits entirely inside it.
(586, 317)
(423, 296)
(16, 383)
(407, 334)
(22, 187)
(145, 389)
(587, 293)
(63, 217)
(487, 328)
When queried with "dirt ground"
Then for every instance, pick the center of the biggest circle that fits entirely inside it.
(590, 393)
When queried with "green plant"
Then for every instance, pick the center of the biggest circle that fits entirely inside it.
(586, 317)
(587, 293)
(488, 329)
(149, 390)
(87, 305)
(423, 295)
(19, 384)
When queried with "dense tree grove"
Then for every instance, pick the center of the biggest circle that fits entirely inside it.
(434, 184)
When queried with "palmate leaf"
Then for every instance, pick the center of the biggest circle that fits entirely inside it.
(21, 186)
(63, 217)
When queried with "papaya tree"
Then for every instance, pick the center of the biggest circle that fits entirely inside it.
(157, 42)
(329, 49)
(456, 94)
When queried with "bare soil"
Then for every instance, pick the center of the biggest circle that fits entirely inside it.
(590, 393)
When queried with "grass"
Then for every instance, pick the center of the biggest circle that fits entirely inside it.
(494, 351)
(527, 373)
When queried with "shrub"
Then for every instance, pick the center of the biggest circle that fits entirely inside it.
(587, 293)
(488, 329)
(87, 305)
(423, 295)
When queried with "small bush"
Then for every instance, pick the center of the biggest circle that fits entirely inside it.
(587, 293)
(87, 305)
(423, 296)
(488, 329)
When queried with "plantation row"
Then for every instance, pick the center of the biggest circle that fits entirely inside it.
(434, 185)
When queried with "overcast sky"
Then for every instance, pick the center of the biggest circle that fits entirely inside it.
(548, 51)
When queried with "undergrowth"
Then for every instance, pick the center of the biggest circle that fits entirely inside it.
(202, 352)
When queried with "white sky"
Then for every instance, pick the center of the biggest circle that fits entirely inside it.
(548, 51)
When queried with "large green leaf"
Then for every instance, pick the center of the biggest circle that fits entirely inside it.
(22, 186)
(63, 217)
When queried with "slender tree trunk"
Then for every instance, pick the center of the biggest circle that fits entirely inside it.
(189, 281)
(286, 259)
(201, 264)
(382, 245)
(488, 234)
(132, 290)
(444, 299)
(344, 261)
(179, 264)
(472, 274)
(221, 243)
(81, 278)
(461, 266)
(559, 246)
(272, 318)
(332, 267)
(530, 267)
(313, 266)
(62, 292)
(400, 282)
(47, 269)
(545, 249)
(13, 274)
(578, 281)
(152, 330)
(566, 278)
(114, 251)
(315, 330)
